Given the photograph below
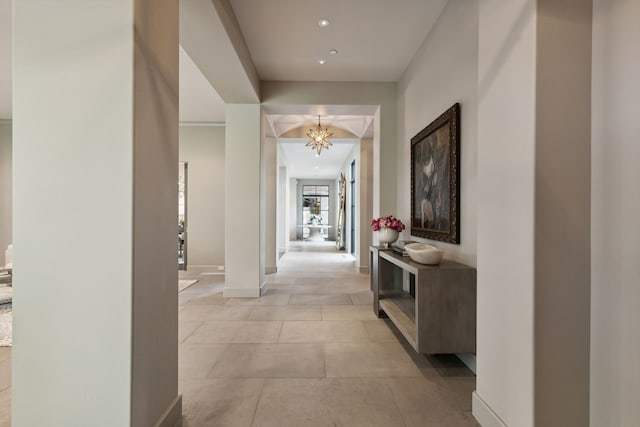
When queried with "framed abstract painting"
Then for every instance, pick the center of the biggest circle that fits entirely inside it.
(435, 179)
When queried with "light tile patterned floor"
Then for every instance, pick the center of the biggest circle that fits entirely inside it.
(310, 352)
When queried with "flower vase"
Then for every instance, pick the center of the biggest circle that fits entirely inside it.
(386, 236)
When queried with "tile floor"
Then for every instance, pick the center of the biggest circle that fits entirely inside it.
(310, 352)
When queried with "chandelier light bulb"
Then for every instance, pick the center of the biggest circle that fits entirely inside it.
(319, 138)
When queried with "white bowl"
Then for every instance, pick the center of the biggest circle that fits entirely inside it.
(424, 254)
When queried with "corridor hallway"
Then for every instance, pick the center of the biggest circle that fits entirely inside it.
(310, 352)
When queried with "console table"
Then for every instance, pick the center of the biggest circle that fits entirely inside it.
(434, 307)
(315, 231)
(5, 276)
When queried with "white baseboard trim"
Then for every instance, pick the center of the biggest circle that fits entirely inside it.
(363, 269)
(201, 124)
(241, 292)
(209, 267)
(483, 412)
(172, 415)
(270, 270)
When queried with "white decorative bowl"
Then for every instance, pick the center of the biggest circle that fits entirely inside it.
(424, 254)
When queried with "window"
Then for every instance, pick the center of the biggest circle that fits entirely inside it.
(315, 204)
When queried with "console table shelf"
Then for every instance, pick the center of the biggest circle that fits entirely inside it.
(434, 307)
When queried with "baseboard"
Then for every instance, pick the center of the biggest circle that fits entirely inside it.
(363, 269)
(483, 412)
(202, 124)
(241, 292)
(173, 415)
(201, 268)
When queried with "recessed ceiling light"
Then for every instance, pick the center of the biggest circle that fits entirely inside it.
(324, 22)
(322, 61)
(333, 52)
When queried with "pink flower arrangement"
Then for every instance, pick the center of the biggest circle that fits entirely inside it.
(387, 222)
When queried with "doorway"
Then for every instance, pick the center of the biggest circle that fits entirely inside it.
(183, 168)
(352, 183)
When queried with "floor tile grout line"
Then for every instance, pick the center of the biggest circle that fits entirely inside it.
(184, 341)
(395, 400)
(226, 348)
(255, 410)
(324, 359)
(280, 331)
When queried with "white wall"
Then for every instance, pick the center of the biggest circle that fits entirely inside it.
(269, 182)
(533, 213)
(202, 147)
(282, 211)
(364, 209)
(292, 209)
(5, 186)
(154, 383)
(443, 71)
(505, 195)
(562, 213)
(615, 207)
(95, 202)
(244, 199)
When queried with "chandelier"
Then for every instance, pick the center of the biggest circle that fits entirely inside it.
(319, 138)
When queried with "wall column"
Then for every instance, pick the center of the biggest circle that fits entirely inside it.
(615, 202)
(95, 206)
(282, 214)
(533, 213)
(5, 186)
(365, 203)
(270, 185)
(244, 260)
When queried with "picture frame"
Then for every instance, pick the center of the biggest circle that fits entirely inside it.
(435, 179)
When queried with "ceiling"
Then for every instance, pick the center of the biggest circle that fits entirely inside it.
(375, 41)
(358, 125)
(199, 101)
(303, 162)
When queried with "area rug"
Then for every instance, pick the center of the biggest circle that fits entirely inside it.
(184, 284)
(6, 325)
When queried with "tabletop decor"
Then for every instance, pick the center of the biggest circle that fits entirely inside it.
(424, 253)
(388, 228)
